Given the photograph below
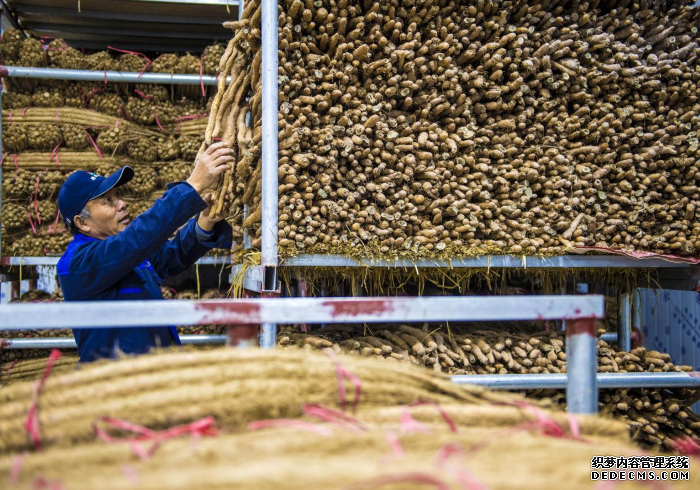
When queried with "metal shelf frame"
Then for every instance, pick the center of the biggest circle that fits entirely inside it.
(53, 261)
(580, 313)
(489, 261)
(270, 261)
(107, 76)
(69, 343)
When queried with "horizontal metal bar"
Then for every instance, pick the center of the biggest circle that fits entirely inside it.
(558, 381)
(166, 46)
(133, 5)
(68, 14)
(102, 314)
(196, 3)
(32, 261)
(202, 339)
(484, 262)
(116, 35)
(111, 76)
(69, 343)
(44, 343)
(509, 261)
(609, 337)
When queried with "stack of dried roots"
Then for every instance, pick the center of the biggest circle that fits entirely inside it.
(455, 128)
(293, 396)
(655, 416)
(20, 50)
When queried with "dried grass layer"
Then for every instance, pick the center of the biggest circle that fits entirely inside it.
(238, 387)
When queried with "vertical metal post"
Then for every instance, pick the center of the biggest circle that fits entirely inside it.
(581, 367)
(268, 335)
(270, 158)
(269, 133)
(624, 319)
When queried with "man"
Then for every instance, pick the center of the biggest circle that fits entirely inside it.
(111, 258)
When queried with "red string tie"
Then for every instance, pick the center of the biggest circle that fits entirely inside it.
(342, 374)
(148, 61)
(448, 420)
(31, 425)
(36, 200)
(54, 155)
(155, 116)
(97, 149)
(686, 445)
(334, 417)
(394, 445)
(9, 368)
(16, 468)
(205, 427)
(29, 215)
(55, 223)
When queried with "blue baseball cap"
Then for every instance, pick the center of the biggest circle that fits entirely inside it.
(81, 187)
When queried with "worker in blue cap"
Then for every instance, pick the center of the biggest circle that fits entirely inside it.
(112, 257)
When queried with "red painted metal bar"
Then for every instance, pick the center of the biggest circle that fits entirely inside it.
(299, 310)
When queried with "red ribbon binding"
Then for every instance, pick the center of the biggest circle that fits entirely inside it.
(148, 61)
(205, 427)
(54, 155)
(394, 444)
(31, 425)
(97, 148)
(335, 417)
(448, 420)
(55, 223)
(29, 215)
(341, 374)
(686, 445)
(16, 469)
(155, 116)
(9, 368)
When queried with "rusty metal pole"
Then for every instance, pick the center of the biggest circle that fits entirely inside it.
(581, 366)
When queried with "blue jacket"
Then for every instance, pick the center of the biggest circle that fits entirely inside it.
(130, 265)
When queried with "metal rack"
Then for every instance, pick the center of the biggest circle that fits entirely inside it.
(69, 343)
(580, 313)
(265, 276)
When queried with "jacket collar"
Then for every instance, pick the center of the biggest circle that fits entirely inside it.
(80, 238)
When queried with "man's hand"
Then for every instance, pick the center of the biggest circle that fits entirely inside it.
(205, 221)
(213, 162)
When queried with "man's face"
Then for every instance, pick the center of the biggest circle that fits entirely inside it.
(108, 216)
